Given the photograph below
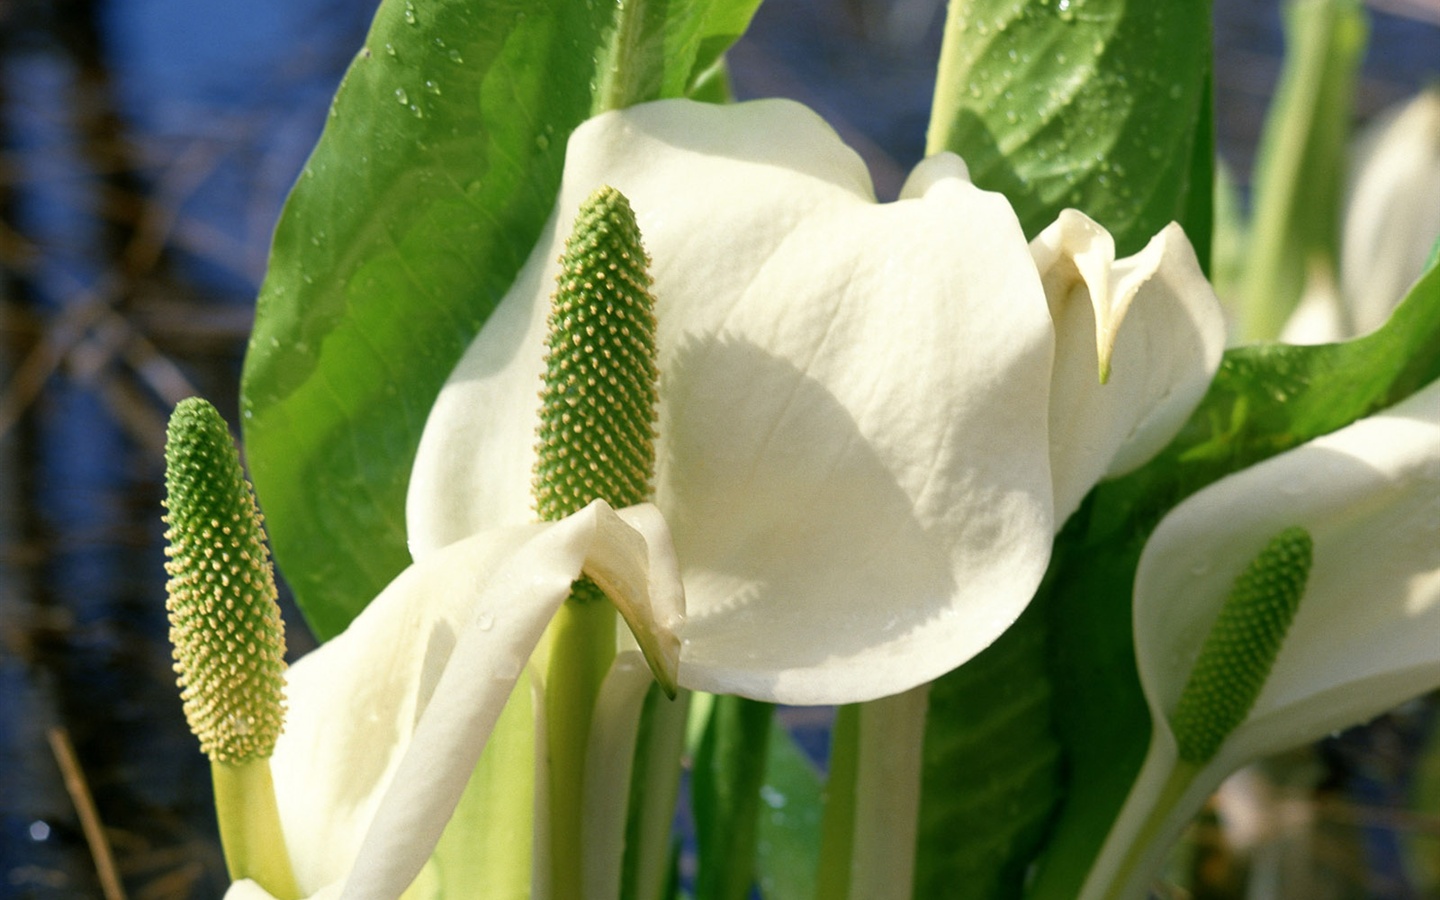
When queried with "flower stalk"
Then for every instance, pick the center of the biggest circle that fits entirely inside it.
(595, 441)
(229, 640)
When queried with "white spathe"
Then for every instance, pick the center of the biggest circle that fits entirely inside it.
(1155, 369)
(1364, 638)
(1391, 224)
(387, 721)
(854, 450)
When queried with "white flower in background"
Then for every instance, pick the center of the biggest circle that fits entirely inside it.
(859, 458)
(1362, 641)
(1391, 223)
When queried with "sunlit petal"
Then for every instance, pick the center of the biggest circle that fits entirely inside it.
(388, 720)
(1137, 341)
(854, 399)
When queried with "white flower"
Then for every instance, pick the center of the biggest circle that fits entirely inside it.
(1367, 633)
(856, 432)
(859, 457)
(387, 721)
(1391, 223)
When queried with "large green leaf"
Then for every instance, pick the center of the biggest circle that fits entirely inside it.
(1092, 104)
(1266, 399)
(435, 173)
(989, 784)
(788, 841)
(1300, 174)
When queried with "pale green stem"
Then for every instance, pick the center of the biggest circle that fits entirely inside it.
(250, 831)
(872, 799)
(887, 795)
(581, 649)
(609, 767)
(1299, 176)
(837, 827)
(950, 79)
(619, 82)
(1151, 832)
(654, 817)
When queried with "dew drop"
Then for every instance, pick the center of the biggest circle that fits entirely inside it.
(401, 96)
(409, 13)
(432, 87)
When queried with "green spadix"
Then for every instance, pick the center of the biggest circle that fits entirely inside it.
(229, 641)
(1241, 647)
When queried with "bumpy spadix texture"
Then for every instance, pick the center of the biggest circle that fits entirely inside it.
(224, 623)
(596, 438)
(1239, 651)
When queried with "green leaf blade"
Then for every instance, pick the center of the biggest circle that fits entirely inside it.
(992, 770)
(1090, 104)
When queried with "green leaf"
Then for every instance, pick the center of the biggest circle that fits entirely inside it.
(725, 790)
(992, 774)
(650, 842)
(434, 176)
(789, 827)
(1265, 400)
(1100, 105)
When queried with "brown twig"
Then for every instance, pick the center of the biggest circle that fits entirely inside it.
(85, 807)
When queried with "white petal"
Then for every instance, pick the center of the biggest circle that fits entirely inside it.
(1321, 317)
(1367, 634)
(608, 762)
(1147, 326)
(852, 451)
(1392, 213)
(387, 721)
